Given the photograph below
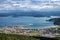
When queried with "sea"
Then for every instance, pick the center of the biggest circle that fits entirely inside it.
(26, 22)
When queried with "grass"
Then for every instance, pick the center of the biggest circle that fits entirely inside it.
(15, 37)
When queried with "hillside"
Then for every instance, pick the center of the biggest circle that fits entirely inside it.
(55, 20)
(15, 37)
(4, 36)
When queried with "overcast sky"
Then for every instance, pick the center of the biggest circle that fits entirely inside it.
(28, 5)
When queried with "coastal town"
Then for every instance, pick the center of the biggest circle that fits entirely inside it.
(20, 30)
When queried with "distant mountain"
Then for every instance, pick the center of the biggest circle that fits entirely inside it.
(21, 13)
(51, 13)
(30, 13)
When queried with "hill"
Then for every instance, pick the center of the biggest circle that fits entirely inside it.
(15, 37)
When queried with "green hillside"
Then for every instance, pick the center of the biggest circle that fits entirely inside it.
(15, 37)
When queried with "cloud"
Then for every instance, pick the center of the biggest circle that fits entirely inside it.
(30, 5)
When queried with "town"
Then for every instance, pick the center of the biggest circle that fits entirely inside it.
(20, 30)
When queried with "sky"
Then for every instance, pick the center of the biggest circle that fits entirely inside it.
(29, 5)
